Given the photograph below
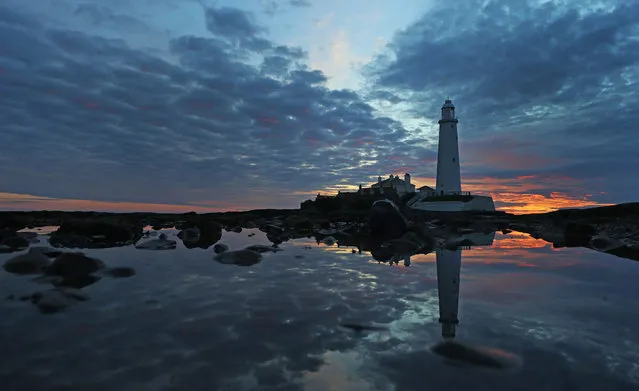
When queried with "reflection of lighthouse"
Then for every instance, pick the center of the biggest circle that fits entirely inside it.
(448, 271)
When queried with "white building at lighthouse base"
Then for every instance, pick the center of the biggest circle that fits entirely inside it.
(447, 195)
(470, 203)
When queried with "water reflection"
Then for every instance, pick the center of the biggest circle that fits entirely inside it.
(208, 323)
(448, 263)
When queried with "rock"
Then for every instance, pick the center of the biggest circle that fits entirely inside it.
(210, 233)
(15, 242)
(236, 229)
(476, 355)
(31, 262)
(220, 248)
(260, 248)
(276, 238)
(95, 234)
(578, 234)
(386, 221)
(71, 265)
(298, 222)
(120, 272)
(239, 257)
(604, 243)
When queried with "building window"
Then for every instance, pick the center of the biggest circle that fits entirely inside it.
(453, 160)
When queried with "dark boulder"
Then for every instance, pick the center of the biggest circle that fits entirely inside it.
(73, 265)
(31, 262)
(386, 221)
(578, 234)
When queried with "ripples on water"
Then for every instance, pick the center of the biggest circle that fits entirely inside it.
(186, 322)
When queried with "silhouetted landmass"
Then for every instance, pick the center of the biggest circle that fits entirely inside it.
(611, 229)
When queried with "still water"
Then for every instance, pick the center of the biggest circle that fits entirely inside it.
(187, 322)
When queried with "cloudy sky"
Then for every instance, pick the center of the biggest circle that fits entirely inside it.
(178, 105)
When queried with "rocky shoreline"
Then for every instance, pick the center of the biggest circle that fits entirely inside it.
(612, 229)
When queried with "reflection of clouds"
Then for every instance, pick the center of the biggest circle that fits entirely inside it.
(276, 322)
(337, 373)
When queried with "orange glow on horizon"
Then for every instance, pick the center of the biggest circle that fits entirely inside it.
(25, 202)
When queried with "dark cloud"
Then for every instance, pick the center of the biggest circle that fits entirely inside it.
(217, 119)
(558, 80)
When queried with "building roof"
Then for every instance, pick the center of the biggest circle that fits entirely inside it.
(390, 181)
(427, 188)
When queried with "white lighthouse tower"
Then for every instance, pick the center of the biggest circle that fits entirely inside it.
(448, 172)
(448, 272)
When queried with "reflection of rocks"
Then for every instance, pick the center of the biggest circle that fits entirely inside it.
(67, 273)
(95, 234)
(32, 262)
(220, 248)
(476, 355)
(57, 299)
(161, 243)
(239, 257)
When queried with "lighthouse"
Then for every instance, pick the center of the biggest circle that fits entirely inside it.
(448, 172)
(448, 272)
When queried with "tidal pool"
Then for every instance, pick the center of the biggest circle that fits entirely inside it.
(187, 322)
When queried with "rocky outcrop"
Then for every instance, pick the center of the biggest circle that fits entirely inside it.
(96, 234)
